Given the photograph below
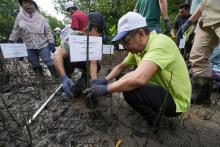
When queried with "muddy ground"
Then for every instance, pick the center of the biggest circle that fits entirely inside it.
(66, 123)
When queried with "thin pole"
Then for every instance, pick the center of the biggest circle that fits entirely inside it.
(44, 105)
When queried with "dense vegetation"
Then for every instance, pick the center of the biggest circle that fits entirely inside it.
(111, 9)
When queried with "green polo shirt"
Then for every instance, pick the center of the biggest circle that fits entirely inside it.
(150, 9)
(163, 51)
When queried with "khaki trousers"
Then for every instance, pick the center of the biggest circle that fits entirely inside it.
(206, 39)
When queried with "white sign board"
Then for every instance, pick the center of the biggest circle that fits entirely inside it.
(78, 48)
(121, 47)
(13, 50)
(108, 49)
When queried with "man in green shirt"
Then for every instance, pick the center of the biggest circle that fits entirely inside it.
(151, 10)
(161, 73)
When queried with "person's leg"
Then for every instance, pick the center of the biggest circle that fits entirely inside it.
(204, 42)
(69, 67)
(148, 99)
(46, 57)
(33, 58)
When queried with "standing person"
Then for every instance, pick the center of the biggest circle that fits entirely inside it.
(56, 36)
(206, 39)
(35, 32)
(79, 20)
(151, 10)
(161, 74)
(184, 15)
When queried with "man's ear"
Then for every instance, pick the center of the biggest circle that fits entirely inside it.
(141, 34)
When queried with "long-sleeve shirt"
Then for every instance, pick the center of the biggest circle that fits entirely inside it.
(32, 40)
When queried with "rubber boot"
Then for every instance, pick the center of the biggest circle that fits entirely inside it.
(38, 70)
(52, 71)
(201, 90)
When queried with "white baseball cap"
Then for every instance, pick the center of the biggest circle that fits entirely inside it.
(70, 4)
(128, 22)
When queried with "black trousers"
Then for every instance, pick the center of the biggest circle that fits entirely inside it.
(70, 66)
(148, 99)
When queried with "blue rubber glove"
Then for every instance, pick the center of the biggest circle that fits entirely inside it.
(101, 81)
(96, 90)
(167, 25)
(68, 85)
(52, 47)
(182, 30)
(186, 26)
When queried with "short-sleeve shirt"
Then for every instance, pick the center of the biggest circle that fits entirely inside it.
(162, 51)
(194, 6)
(79, 21)
(150, 9)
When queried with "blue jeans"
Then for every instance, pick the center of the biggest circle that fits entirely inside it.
(34, 54)
(157, 28)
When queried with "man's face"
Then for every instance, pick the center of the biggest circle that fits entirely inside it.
(28, 6)
(135, 41)
(93, 32)
(183, 12)
(71, 11)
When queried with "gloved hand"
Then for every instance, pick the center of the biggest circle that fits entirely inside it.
(182, 30)
(101, 81)
(167, 25)
(52, 47)
(186, 26)
(68, 85)
(96, 90)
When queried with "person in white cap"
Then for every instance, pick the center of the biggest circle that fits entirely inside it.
(161, 74)
(56, 36)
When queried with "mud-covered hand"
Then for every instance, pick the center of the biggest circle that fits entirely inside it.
(167, 25)
(101, 81)
(97, 91)
(52, 47)
(68, 85)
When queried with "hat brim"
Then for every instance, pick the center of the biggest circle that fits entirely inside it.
(119, 36)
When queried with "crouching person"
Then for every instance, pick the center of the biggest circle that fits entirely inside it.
(64, 67)
(161, 73)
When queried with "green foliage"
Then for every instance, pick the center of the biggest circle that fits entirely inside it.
(53, 21)
(8, 12)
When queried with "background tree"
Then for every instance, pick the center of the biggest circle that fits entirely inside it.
(114, 9)
(8, 12)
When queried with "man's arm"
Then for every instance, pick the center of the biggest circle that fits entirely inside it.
(59, 55)
(135, 78)
(116, 71)
(163, 8)
(93, 70)
(173, 33)
(197, 14)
